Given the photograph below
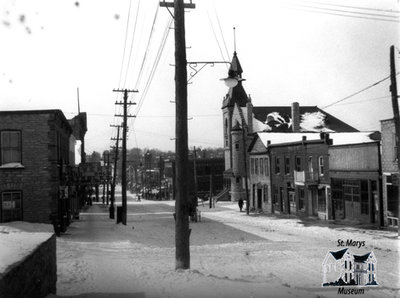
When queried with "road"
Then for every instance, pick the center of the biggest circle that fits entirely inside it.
(232, 254)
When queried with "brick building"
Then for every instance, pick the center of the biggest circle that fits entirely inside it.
(390, 173)
(35, 149)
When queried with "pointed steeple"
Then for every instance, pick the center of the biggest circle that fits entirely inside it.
(236, 94)
(235, 66)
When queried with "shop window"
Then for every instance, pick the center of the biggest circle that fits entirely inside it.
(10, 147)
(265, 193)
(364, 197)
(321, 200)
(11, 206)
(301, 199)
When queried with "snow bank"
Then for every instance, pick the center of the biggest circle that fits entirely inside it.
(19, 239)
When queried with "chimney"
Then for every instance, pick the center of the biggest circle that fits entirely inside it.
(295, 117)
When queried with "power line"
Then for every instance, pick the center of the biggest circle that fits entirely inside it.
(222, 34)
(126, 39)
(353, 7)
(358, 92)
(132, 42)
(365, 100)
(345, 15)
(215, 36)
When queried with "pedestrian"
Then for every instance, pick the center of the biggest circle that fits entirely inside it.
(240, 203)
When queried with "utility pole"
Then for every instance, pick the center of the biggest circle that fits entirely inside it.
(195, 178)
(124, 130)
(182, 252)
(112, 208)
(108, 177)
(395, 104)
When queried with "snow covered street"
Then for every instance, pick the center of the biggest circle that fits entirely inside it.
(232, 255)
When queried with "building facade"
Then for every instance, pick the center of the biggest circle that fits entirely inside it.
(35, 150)
(355, 182)
(390, 173)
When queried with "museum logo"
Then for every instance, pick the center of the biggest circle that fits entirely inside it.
(343, 268)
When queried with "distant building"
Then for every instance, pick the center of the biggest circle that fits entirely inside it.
(330, 176)
(355, 175)
(36, 148)
(241, 120)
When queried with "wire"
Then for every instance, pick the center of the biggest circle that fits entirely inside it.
(353, 7)
(215, 36)
(365, 100)
(132, 42)
(358, 92)
(345, 15)
(222, 34)
(125, 42)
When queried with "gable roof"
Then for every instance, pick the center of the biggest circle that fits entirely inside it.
(338, 254)
(364, 258)
(326, 122)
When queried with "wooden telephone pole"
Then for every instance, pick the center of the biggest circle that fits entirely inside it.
(112, 208)
(395, 104)
(182, 252)
(124, 130)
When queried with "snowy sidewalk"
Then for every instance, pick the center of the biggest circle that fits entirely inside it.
(232, 255)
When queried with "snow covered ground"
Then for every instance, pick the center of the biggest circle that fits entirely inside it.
(232, 255)
(19, 239)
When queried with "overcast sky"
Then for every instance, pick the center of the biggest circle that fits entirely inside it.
(313, 52)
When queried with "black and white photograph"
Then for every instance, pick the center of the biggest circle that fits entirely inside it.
(199, 148)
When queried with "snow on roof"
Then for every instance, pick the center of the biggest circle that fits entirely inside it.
(19, 239)
(285, 137)
(338, 138)
(314, 122)
(259, 126)
(347, 138)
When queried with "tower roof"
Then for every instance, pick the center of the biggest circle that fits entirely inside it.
(236, 94)
(235, 65)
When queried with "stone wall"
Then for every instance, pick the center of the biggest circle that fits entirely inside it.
(34, 276)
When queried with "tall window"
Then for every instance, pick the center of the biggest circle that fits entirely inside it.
(11, 206)
(277, 165)
(310, 166)
(321, 165)
(266, 164)
(252, 164)
(256, 166)
(297, 163)
(261, 166)
(287, 165)
(10, 146)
